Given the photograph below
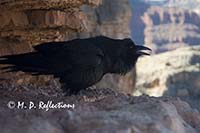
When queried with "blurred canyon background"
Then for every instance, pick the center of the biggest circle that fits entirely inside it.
(167, 84)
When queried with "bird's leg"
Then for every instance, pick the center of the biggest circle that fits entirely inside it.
(90, 90)
(93, 87)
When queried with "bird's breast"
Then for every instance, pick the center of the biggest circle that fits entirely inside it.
(91, 76)
(84, 77)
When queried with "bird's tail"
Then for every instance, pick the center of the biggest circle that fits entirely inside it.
(28, 62)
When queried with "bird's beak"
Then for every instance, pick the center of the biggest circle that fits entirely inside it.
(142, 50)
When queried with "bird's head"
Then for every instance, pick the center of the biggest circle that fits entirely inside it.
(128, 55)
(134, 51)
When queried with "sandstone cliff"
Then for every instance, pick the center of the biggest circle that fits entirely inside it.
(26, 23)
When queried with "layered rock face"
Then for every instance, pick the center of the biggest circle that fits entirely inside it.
(26, 23)
(166, 26)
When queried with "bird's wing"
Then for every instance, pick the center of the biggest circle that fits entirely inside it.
(50, 48)
(77, 56)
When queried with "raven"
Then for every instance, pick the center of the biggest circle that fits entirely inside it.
(79, 63)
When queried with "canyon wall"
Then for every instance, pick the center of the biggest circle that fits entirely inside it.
(166, 25)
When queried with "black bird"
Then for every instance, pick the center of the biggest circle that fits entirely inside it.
(79, 63)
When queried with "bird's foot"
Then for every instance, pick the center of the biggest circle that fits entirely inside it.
(91, 88)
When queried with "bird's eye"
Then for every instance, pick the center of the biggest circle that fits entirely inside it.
(131, 47)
